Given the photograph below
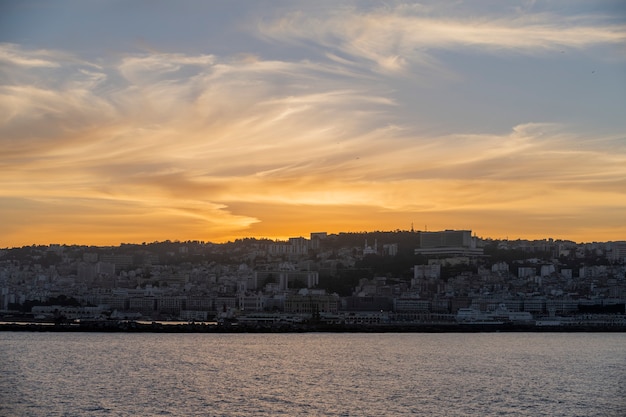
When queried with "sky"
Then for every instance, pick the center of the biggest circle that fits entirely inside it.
(141, 121)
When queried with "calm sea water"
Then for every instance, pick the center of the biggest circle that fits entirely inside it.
(485, 374)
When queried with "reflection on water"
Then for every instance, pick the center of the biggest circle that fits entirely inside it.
(121, 374)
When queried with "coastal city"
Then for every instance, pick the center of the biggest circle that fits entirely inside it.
(397, 278)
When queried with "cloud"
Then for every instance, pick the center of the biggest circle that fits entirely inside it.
(174, 143)
(147, 68)
(13, 55)
(162, 146)
(392, 39)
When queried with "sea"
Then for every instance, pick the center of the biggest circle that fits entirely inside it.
(312, 374)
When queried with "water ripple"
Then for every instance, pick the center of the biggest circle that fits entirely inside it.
(101, 374)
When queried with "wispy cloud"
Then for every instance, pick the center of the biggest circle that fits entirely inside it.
(393, 38)
(11, 54)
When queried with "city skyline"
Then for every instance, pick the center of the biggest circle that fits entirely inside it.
(217, 121)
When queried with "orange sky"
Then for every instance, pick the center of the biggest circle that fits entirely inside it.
(504, 120)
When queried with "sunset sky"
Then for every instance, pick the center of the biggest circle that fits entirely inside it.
(137, 121)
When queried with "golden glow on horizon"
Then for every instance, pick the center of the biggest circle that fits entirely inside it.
(150, 146)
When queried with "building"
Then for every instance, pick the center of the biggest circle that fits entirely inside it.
(526, 271)
(170, 304)
(390, 249)
(425, 276)
(618, 252)
(144, 305)
(448, 243)
(295, 246)
(120, 261)
(251, 302)
(368, 303)
(285, 279)
(411, 309)
(225, 303)
(200, 303)
(429, 272)
(310, 304)
(316, 238)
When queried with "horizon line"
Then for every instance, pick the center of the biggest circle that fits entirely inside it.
(286, 238)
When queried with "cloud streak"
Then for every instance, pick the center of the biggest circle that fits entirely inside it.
(392, 39)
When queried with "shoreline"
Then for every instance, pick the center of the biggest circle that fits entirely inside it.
(161, 327)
